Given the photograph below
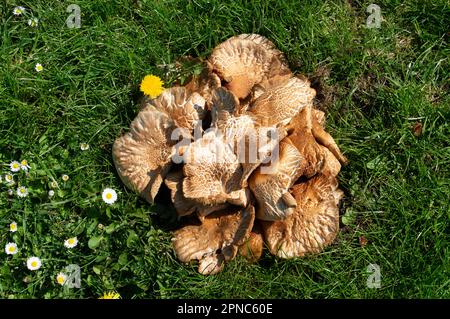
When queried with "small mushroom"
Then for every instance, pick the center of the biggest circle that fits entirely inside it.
(215, 240)
(313, 225)
(320, 116)
(245, 60)
(253, 247)
(143, 155)
(271, 186)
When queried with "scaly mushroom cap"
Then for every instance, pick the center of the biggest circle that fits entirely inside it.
(185, 206)
(143, 155)
(212, 173)
(204, 84)
(215, 240)
(271, 186)
(185, 108)
(245, 60)
(314, 120)
(234, 128)
(224, 111)
(313, 225)
(281, 103)
(251, 142)
(259, 148)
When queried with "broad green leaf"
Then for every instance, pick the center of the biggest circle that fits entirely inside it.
(94, 241)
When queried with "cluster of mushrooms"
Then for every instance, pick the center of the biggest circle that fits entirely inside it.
(244, 154)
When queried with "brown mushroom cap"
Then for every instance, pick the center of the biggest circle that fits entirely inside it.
(271, 188)
(143, 155)
(253, 247)
(312, 154)
(215, 240)
(204, 84)
(185, 206)
(251, 142)
(331, 166)
(313, 225)
(183, 107)
(225, 106)
(327, 140)
(212, 173)
(246, 60)
(264, 149)
(320, 116)
(235, 129)
(281, 103)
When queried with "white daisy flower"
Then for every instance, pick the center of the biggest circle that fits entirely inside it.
(84, 146)
(33, 22)
(34, 263)
(51, 193)
(61, 278)
(38, 67)
(54, 184)
(65, 177)
(10, 192)
(71, 242)
(13, 227)
(9, 179)
(17, 11)
(14, 166)
(109, 196)
(22, 191)
(24, 165)
(11, 249)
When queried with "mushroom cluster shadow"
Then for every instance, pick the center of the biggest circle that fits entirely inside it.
(261, 173)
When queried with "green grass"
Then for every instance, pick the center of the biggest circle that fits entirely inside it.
(374, 84)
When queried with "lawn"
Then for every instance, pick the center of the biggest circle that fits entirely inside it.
(385, 92)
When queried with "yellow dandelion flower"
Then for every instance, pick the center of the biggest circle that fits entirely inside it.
(110, 295)
(152, 86)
